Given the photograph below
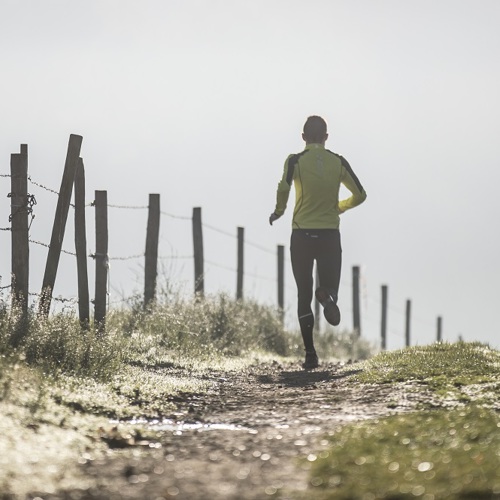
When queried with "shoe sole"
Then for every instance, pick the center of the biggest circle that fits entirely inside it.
(330, 309)
(332, 314)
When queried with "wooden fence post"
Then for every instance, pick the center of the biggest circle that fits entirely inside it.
(20, 209)
(63, 202)
(151, 257)
(199, 279)
(81, 246)
(383, 326)
(239, 275)
(101, 259)
(439, 329)
(281, 279)
(408, 317)
(356, 311)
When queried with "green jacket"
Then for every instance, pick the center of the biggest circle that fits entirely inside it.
(317, 175)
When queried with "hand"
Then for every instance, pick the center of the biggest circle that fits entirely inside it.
(274, 216)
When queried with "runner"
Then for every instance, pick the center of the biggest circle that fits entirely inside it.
(317, 175)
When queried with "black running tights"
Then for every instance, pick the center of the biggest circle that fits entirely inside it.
(306, 246)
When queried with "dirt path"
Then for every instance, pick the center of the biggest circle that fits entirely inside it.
(253, 436)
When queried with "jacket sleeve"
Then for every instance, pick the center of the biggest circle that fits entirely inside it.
(284, 186)
(351, 182)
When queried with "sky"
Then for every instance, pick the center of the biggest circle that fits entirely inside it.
(202, 101)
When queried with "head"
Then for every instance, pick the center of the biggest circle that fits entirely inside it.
(315, 130)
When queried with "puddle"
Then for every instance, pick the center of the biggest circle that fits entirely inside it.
(172, 425)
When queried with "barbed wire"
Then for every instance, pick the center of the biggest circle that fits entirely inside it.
(132, 207)
(31, 201)
(130, 257)
(173, 216)
(221, 231)
(72, 300)
(183, 217)
(50, 190)
(40, 243)
(26, 207)
(245, 241)
(220, 266)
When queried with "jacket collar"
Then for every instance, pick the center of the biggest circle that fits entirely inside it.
(314, 146)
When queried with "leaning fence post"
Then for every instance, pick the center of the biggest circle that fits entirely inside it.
(20, 208)
(408, 317)
(151, 256)
(199, 283)
(81, 246)
(281, 279)
(239, 274)
(383, 326)
(63, 202)
(356, 312)
(101, 259)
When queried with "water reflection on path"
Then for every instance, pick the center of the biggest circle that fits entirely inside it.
(171, 425)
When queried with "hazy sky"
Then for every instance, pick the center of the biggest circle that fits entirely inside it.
(202, 101)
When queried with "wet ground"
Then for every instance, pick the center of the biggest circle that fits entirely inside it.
(253, 436)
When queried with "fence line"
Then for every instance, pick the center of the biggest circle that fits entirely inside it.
(143, 207)
(27, 208)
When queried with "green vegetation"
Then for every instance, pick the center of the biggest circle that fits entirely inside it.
(59, 383)
(130, 370)
(431, 454)
(174, 332)
(438, 364)
(467, 371)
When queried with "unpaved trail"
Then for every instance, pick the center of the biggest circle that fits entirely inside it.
(251, 437)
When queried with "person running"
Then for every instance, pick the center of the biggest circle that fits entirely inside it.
(317, 175)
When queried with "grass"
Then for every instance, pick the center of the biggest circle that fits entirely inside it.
(435, 453)
(59, 384)
(467, 371)
(429, 455)
(145, 359)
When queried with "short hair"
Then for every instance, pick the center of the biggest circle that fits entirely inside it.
(315, 129)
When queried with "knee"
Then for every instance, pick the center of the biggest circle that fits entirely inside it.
(304, 303)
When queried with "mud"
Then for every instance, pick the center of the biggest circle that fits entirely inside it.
(253, 436)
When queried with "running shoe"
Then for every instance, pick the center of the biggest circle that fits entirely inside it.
(330, 309)
(311, 360)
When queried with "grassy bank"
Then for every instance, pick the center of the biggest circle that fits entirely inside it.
(449, 449)
(60, 385)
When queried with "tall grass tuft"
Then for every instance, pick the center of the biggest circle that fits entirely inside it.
(216, 325)
(171, 329)
(58, 344)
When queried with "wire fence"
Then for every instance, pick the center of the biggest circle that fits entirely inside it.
(136, 256)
